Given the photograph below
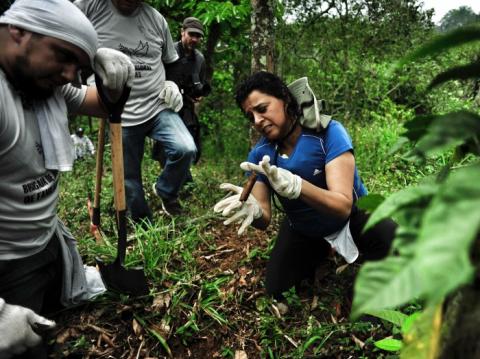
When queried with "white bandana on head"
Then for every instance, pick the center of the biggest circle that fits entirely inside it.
(56, 18)
(62, 20)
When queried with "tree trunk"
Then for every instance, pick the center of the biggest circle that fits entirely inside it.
(461, 328)
(212, 41)
(262, 35)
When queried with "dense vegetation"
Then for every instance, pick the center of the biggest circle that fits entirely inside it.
(416, 146)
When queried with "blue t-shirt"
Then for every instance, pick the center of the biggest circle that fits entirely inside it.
(308, 159)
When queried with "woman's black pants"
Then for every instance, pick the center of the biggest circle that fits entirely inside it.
(295, 256)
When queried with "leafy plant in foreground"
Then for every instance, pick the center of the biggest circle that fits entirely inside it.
(438, 220)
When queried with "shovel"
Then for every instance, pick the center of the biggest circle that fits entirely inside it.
(115, 275)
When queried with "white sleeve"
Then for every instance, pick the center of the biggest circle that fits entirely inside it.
(74, 97)
(90, 147)
(169, 54)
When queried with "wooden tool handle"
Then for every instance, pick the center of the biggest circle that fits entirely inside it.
(247, 188)
(98, 173)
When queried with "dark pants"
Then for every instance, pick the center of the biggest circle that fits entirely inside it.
(34, 282)
(295, 256)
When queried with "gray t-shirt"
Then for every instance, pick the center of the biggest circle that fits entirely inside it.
(145, 38)
(28, 191)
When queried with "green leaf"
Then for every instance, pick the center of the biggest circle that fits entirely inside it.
(399, 145)
(417, 127)
(450, 225)
(447, 131)
(161, 340)
(155, 334)
(419, 194)
(442, 43)
(392, 316)
(405, 235)
(385, 284)
(439, 262)
(310, 341)
(370, 202)
(421, 340)
(457, 73)
(408, 322)
(389, 344)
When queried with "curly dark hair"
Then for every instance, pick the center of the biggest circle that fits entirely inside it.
(269, 84)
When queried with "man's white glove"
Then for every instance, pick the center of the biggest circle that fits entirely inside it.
(284, 182)
(16, 333)
(114, 68)
(243, 212)
(172, 96)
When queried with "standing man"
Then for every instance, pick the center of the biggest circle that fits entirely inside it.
(189, 73)
(44, 46)
(82, 144)
(141, 32)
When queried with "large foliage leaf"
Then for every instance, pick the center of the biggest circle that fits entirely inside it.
(370, 202)
(439, 262)
(385, 284)
(418, 126)
(449, 226)
(457, 73)
(392, 316)
(448, 131)
(420, 194)
(442, 43)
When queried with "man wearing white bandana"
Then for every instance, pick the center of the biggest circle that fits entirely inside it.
(44, 45)
(141, 32)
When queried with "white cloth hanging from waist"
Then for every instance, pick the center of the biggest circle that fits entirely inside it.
(342, 242)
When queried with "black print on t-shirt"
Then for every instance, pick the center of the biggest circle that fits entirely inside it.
(39, 188)
(39, 148)
(136, 55)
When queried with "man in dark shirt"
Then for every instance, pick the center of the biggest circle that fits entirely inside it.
(188, 72)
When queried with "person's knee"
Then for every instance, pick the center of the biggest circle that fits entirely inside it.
(133, 186)
(380, 239)
(183, 152)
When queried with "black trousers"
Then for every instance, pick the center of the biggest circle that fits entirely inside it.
(295, 256)
(34, 282)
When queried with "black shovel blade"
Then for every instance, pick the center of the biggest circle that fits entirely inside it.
(118, 278)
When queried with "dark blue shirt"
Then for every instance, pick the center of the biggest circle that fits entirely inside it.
(312, 152)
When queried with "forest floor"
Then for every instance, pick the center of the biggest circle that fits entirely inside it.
(313, 324)
(207, 295)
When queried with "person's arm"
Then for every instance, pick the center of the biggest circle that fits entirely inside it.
(261, 192)
(90, 147)
(203, 78)
(92, 105)
(338, 198)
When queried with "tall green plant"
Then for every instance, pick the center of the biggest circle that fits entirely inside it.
(438, 219)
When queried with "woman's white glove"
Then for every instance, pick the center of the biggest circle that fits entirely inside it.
(114, 68)
(284, 182)
(16, 333)
(243, 212)
(172, 96)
